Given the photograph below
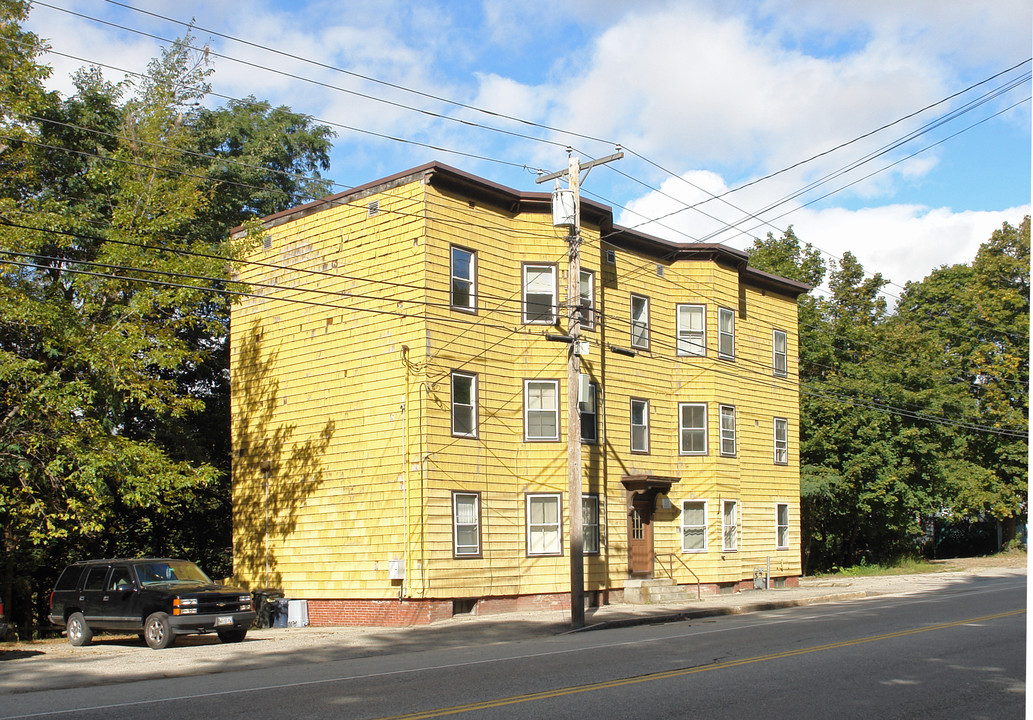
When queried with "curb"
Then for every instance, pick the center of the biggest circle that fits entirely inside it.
(678, 616)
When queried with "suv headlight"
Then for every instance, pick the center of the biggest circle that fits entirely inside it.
(184, 606)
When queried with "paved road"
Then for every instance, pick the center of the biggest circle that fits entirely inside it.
(954, 651)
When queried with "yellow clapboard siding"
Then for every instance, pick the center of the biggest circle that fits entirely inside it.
(344, 457)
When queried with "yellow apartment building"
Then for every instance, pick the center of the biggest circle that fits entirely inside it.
(399, 410)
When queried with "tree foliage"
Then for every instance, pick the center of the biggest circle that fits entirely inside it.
(914, 414)
(115, 211)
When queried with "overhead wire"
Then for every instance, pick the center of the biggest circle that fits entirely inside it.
(643, 158)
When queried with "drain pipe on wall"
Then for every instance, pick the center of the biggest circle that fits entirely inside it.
(405, 478)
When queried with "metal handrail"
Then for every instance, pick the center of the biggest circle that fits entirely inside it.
(670, 573)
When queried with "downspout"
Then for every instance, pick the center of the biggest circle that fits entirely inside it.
(405, 479)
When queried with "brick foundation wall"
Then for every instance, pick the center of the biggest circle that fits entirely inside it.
(326, 613)
(377, 612)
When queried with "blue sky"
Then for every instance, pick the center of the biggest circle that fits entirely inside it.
(706, 96)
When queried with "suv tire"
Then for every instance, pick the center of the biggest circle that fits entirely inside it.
(233, 635)
(157, 631)
(79, 632)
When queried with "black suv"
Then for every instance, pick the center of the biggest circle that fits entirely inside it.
(157, 598)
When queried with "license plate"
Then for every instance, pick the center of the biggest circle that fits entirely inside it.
(223, 620)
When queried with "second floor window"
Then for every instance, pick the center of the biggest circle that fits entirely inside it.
(587, 301)
(692, 330)
(541, 410)
(692, 426)
(778, 353)
(464, 404)
(590, 416)
(726, 333)
(540, 294)
(640, 426)
(728, 430)
(781, 441)
(464, 266)
(640, 322)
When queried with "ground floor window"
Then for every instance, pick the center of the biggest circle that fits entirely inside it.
(694, 526)
(730, 525)
(543, 525)
(466, 524)
(782, 524)
(590, 524)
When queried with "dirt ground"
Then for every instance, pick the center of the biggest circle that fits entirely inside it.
(1010, 559)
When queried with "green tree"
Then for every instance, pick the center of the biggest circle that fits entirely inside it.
(114, 420)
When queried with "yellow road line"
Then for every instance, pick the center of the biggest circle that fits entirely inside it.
(605, 685)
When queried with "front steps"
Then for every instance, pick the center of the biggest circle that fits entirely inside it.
(657, 591)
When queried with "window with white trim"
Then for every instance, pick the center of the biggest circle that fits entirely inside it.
(464, 268)
(692, 428)
(591, 531)
(726, 333)
(639, 425)
(781, 441)
(692, 330)
(589, 408)
(466, 524)
(464, 404)
(728, 430)
(782, 525)
(540, 294)
(541, 410)
(640, 322)
(543, 525)
(730, 525)
(778, 353)
(694, 526)
(587, 300)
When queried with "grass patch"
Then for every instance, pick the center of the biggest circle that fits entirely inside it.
(905, 566)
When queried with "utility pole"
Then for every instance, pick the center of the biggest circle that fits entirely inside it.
(574, 480)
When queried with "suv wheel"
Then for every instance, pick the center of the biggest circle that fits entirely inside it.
(79, 632)
(157, 631)
(233, 635)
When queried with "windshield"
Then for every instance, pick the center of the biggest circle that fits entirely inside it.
(170, 571)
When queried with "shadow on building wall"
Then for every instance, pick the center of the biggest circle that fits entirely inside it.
(274, 474)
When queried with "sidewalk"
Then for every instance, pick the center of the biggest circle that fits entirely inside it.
(55, 664)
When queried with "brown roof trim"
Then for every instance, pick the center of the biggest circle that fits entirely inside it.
(476, 188)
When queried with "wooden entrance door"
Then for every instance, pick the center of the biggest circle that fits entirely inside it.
(640, 538)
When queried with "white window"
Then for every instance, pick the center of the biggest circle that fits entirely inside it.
(778, 360)
(694, 526)
(781, 441)
(590, 416)
(692, 330)
(543, 525)
(540, 294)
(729, 525)
(782, 524)
(541, 410)
(464, 404)
(640, 322)
(726, 333)
(587, 302)
(639, 425)
(590, 524)
(692, 428)
(466, 524)
(464, 267)
(728, 430)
